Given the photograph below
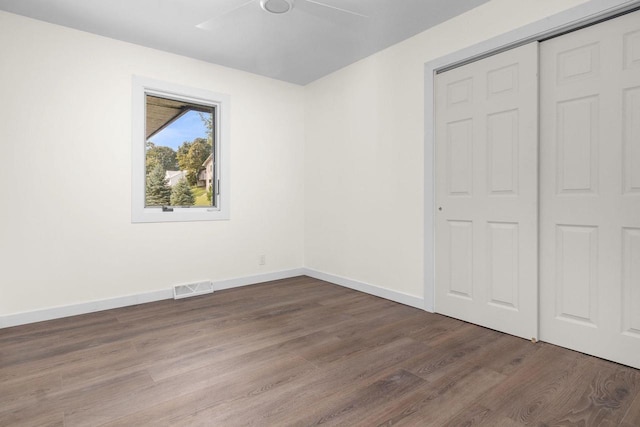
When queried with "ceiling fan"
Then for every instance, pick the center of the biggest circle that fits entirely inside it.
(280, 7)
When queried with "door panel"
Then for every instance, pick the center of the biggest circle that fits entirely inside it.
(590, 190)
(576, 273)
(486, 187)
(631, 140)
(630, 280)
(502, 254)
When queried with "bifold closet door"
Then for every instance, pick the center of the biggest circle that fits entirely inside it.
(486, 192)
(590, 190)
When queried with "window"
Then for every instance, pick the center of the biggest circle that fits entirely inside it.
(180, 168)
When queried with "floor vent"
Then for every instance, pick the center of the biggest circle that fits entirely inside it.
(192, 289)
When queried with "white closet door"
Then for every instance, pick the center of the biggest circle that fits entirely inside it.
(590, 190)
(486, 192)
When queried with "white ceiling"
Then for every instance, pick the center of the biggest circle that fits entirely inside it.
(300, 46)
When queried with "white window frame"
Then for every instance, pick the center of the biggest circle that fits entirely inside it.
(139, 213)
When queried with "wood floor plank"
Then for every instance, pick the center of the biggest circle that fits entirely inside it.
(298, 352)
(546, 379)
(343, 377)
(184, 399)
(473, 415)
(362, 403)
(34, 416)
(461, 348)
(441, 400)
(610, 394)
(37, 387)
(632, 417)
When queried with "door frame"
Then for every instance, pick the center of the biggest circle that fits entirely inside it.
(568, 20)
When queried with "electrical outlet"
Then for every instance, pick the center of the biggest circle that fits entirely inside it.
(263, 260)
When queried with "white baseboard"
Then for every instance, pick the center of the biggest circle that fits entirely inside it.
(125, 301)
(82, 308)
(395, 296)
(258, 278)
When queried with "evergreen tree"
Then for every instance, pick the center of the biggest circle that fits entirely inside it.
(181, 194)
(157, 193)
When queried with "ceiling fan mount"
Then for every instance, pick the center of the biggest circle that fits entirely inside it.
(281, 7)
(277, 7)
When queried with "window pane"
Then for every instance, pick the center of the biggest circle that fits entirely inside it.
(179, 161)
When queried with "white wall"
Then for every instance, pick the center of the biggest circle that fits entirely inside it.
(66, 235)
(330, 176)
(364, 169)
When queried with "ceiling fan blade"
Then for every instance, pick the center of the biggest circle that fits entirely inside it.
(211, 22)
(336, 8)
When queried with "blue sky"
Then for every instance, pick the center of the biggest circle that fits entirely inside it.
(186, 128)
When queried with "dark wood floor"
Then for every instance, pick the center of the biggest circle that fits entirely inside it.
(298, 352)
